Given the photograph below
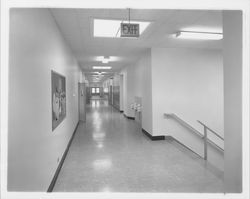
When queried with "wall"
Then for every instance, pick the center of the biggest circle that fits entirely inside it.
(82, 77)
(91, 84)
(188, 83)
(137, 83)
(232, 52)
(116, 82)
(36, 48)
(124, 95)
(121, 93)
(128, 89)
(108, 84)
(116, 91)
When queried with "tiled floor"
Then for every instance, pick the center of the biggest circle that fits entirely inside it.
(110, 154)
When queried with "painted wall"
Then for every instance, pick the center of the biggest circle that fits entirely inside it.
(116, 91)
(188, 83)
(128, 89)
(92, 84)
(36, 48)
(232, 52)
(82, 78)
(121, 93)
(143, 89)
(124, 73)
(137, 83)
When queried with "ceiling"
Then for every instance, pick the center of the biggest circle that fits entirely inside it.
(76, 26)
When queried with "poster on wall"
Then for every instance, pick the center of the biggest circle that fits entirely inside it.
(58, 98)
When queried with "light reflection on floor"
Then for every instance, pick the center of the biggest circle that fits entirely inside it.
(99, 145)
(109, 153)
(95, 103)
(102, 164)
(99, 136)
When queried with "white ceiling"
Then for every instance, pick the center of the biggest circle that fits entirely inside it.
(76, 26)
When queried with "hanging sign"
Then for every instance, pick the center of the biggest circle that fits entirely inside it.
(130, 30)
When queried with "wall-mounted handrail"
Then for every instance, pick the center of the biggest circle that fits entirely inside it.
(203, 136)
(183, 123)
(210, 130)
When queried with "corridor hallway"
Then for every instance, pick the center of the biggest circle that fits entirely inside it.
(109, 153)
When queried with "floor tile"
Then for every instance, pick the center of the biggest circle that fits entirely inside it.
(109, 153)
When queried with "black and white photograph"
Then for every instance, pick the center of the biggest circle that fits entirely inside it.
(58, 98)
(122, 99)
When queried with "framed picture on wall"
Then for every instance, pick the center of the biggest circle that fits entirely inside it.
(58, 98)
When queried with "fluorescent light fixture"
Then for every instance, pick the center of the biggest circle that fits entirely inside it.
(200, 28)
(95, 77)
(199, 35)
(102, 67)
(99, 73)
(111, 28)
(106, 59)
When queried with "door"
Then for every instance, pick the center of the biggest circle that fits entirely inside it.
(82, 101)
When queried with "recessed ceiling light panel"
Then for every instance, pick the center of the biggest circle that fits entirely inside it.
(102, 67)
(106, 59)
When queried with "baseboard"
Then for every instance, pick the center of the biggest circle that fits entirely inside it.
(153, 138)
(128, 117)
(168, 137)
(131, 118)
(53, 182)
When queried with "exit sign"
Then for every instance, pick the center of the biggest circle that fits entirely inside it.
(130, 30)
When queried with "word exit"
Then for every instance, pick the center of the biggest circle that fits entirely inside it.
(130, 30)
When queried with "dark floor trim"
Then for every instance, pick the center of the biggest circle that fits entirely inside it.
(153, 138)
(53, 182)
(128, 117)
(172, 138)
(168, 137)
